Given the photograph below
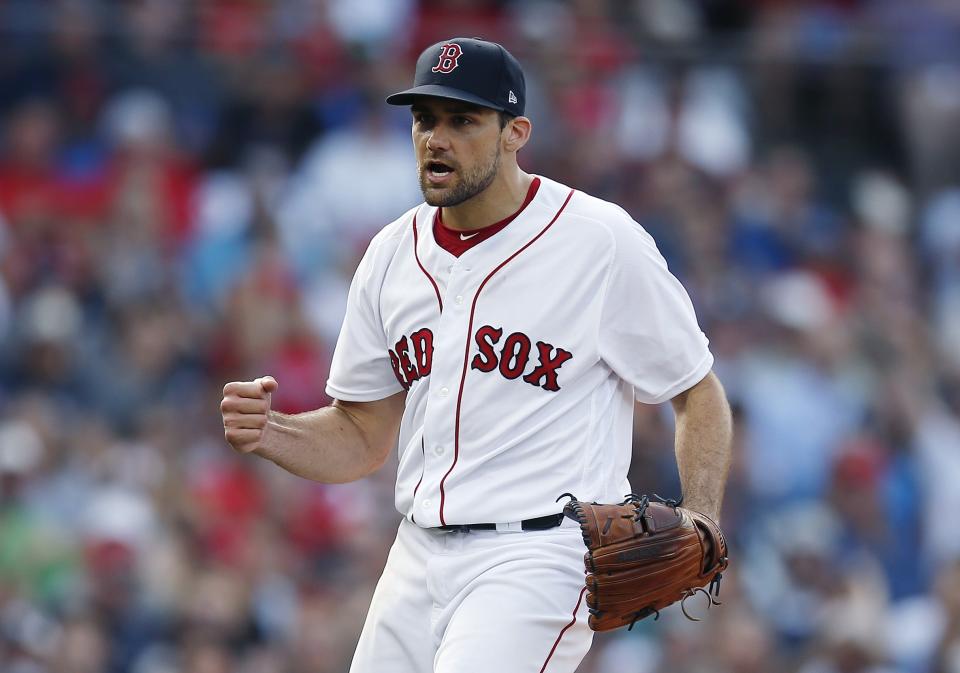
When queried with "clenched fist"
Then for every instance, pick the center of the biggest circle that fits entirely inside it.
(245, 407)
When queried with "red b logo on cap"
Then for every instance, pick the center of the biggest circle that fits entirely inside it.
(448, 58)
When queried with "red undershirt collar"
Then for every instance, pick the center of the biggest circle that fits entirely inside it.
(453, 241)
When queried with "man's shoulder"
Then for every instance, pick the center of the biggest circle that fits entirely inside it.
(394, 231)
(387, 239)
(604, 213)
(594, 216)
(384, 246)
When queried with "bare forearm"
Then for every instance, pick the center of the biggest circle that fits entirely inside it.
(703, 438)
(325, 445)
(339, 443)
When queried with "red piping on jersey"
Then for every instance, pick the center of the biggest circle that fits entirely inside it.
(423, 452)
(423, 468)
(564, 630)
(425, 272)
(466, 350)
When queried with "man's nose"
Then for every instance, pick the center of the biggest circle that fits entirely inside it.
(437, 140)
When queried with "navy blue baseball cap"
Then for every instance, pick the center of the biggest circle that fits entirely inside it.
(471, 70)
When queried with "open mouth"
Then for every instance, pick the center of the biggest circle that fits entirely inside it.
(438, 171)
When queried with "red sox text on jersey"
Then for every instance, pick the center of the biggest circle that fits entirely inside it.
(480, 341)
(412, 357)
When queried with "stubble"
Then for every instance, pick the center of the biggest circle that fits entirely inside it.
(467, 186)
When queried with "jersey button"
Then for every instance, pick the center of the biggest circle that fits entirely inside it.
(426, 504)
(438, 450)
(444, 391)
(458, 299)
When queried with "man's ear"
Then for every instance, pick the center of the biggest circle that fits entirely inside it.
(516, 133)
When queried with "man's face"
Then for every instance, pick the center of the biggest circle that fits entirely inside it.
(458, 149)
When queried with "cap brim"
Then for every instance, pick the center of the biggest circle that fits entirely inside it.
(409, 96)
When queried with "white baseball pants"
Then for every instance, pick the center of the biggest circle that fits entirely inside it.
(478, 602)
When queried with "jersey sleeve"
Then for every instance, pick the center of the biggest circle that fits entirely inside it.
(360, 370)
(649, 333)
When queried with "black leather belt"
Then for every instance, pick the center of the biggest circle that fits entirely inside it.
(539, 523)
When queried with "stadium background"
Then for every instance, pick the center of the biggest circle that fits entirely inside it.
(185, 188)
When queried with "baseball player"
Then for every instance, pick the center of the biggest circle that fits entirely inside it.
(497, 335)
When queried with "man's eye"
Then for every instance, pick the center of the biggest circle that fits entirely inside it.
(462, 121)
(423, 120)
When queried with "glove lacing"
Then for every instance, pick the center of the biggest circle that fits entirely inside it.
(641, 502)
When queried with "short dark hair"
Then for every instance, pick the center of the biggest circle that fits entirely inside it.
(505, 118)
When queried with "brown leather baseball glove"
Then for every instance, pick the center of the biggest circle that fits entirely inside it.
(643, 556)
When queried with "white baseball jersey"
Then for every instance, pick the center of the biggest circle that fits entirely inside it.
(521, 358)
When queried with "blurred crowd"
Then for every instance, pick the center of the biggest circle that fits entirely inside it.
(186, 187)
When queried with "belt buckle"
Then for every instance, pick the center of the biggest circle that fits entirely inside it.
(510, 527)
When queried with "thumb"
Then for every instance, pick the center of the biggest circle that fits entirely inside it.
(268, 384)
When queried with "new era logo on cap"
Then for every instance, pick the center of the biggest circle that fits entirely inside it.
(468, 69)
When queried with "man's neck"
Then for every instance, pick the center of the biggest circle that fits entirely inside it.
(498, 201)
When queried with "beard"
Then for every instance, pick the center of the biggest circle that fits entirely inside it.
(467, 185)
